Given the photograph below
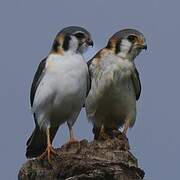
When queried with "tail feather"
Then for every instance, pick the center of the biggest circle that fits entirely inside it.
(37, 143)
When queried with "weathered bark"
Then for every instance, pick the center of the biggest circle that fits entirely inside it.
(97, 160)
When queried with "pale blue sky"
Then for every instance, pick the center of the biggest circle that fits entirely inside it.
(27, 29)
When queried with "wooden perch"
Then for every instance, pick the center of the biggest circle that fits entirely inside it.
(97, 160)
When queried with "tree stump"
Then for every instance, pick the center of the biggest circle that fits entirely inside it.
(104, 159)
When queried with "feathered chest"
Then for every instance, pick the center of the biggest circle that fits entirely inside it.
(69, 72)
(66, 64)
(112, 69)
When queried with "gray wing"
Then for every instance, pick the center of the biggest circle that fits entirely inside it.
(89, 64)
(89, 80)
(136, 83)
(37, 79)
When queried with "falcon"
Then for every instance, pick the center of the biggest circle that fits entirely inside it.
(115, 83)
(59, 89)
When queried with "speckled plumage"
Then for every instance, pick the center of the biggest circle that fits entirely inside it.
(115, 84)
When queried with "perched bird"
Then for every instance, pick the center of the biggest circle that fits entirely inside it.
(115, 83)
(59, 89)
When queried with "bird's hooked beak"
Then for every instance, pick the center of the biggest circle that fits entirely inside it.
(90, 42)
(144, 46)
(142, 43)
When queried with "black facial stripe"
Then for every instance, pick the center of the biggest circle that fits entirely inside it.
(65, 45)
(109, 45)
(55, 45)
(118, 48)
(130, 49)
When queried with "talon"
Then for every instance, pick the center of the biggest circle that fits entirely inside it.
(51, 152)
(43, 155)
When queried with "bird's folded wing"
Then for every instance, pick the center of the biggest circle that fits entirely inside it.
(88, 80)
(37, 79)
(136, 83)
(89, 77)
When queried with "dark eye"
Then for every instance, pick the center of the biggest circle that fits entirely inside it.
(80, 35)
(132, 38)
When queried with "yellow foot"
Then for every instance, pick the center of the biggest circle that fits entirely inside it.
(50, 152)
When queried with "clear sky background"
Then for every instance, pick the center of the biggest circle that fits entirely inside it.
(27, 30)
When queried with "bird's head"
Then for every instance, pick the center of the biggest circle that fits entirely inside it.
(127, 43)
(72, 38)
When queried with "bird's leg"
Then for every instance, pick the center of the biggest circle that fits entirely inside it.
(43, 155)
(50, 149)
(72, 138)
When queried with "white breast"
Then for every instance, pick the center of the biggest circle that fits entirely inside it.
(63, 88)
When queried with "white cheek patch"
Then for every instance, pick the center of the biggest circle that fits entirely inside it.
(125, 45)
(73, 44)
